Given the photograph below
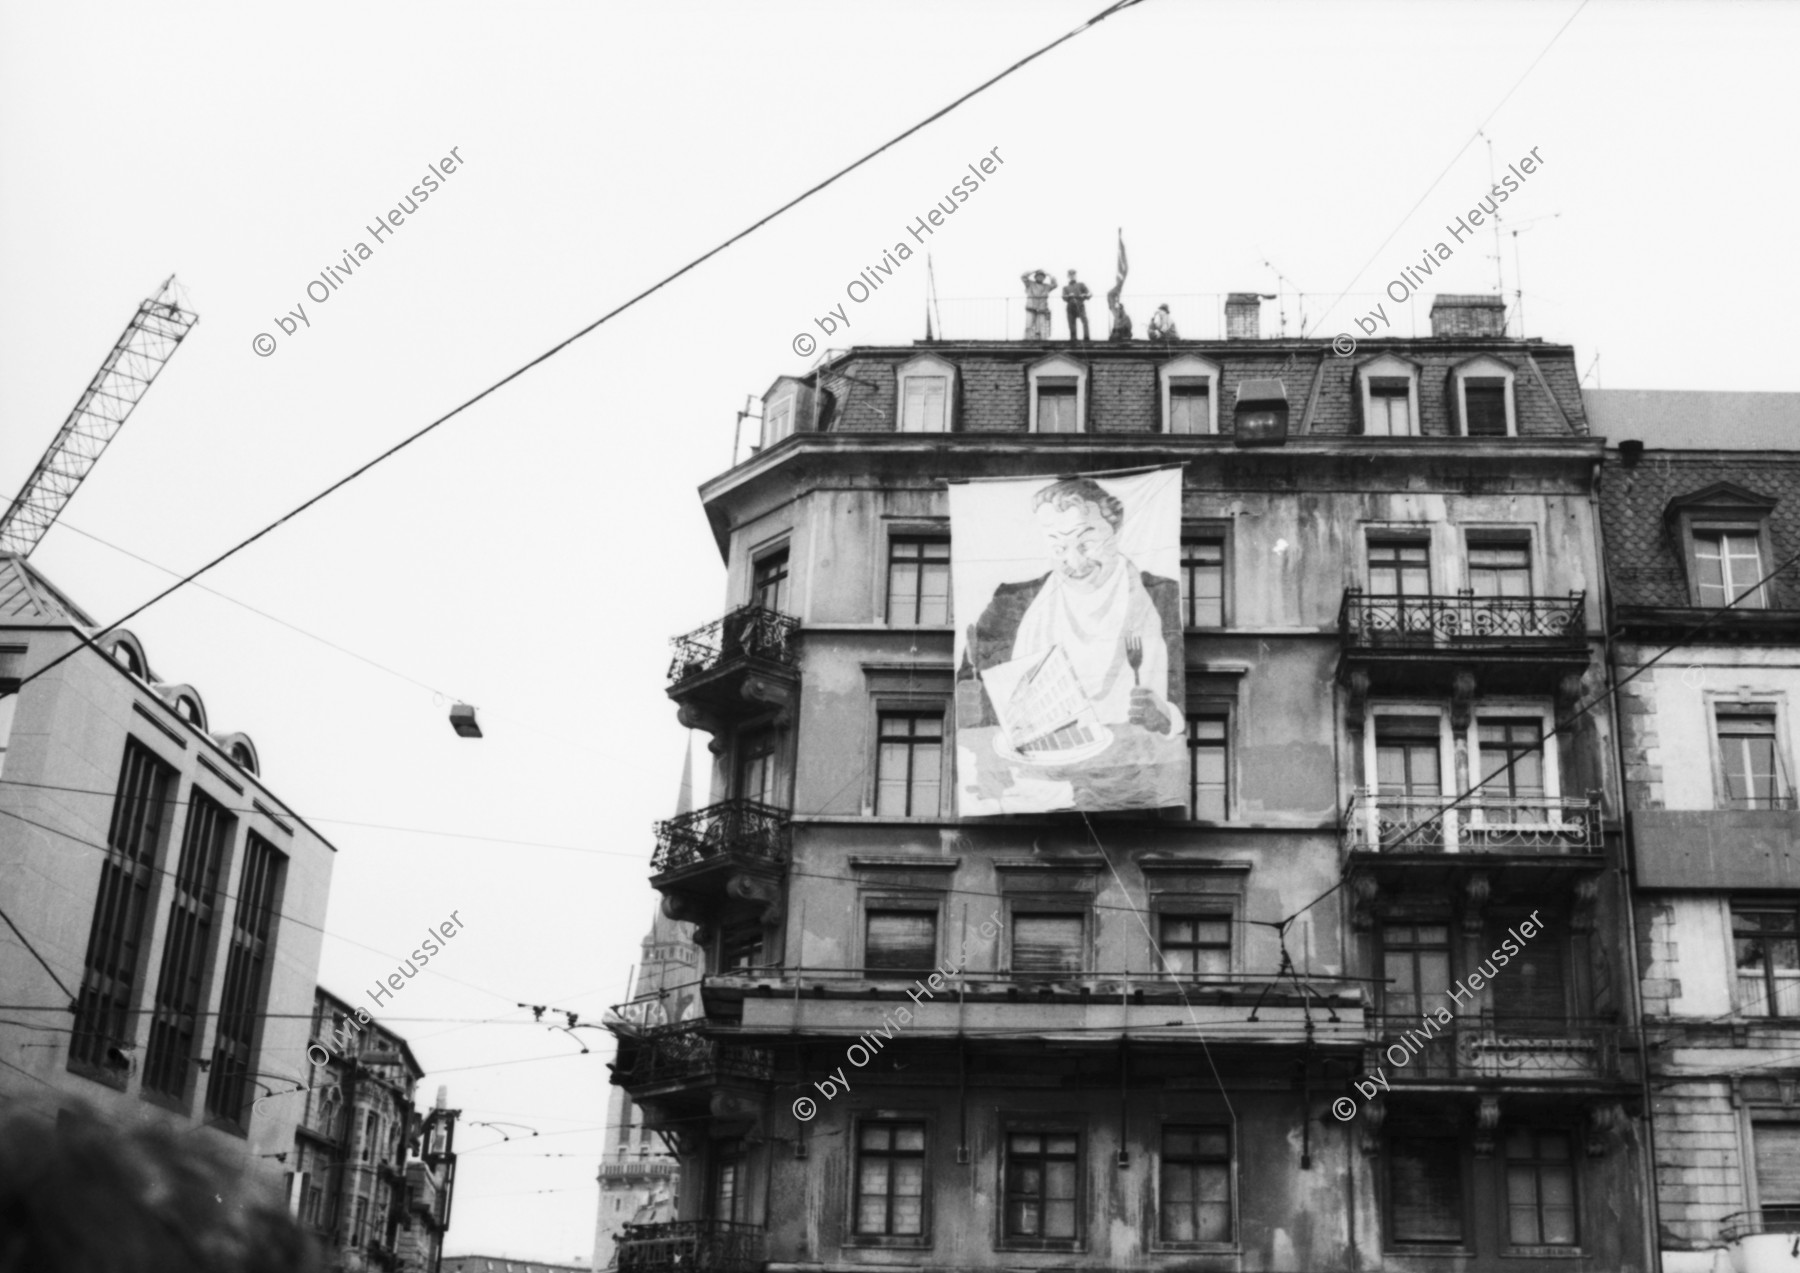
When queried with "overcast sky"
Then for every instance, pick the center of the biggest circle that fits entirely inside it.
(534, 555)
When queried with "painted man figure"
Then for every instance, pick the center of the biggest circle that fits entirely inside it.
(1038, 286)
(1075, 298)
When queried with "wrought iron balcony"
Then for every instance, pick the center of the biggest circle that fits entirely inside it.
(1375, 822)
(692, 1246)
(683, 1055)
(638, 1169)
(1464, 623)
(731, 832)
(748, 633)
(1485, 1047)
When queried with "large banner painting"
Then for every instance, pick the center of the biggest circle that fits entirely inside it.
(1069, 684)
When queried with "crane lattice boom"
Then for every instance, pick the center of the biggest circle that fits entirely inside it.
(139, 354)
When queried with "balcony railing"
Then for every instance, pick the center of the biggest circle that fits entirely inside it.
(1748, 1224)
(637, 1169)
(749, 632)
(731, 828)
(1463, 622)
(692, 1246)
(1376, 822)
(682, 1053)
(1487, 1047)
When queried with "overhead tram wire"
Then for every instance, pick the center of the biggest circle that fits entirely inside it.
(1610, 691)
(561, 345)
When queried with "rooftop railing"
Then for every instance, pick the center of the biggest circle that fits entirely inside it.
(1380, 621)
(692, 1246)
(731, 828)
(1376, 822)
(749, 632)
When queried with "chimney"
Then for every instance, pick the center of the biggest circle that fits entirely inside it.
(1468, 316)
(1243, 310)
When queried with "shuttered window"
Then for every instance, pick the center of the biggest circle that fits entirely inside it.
(900, 941)
(1777, 1171)
(108, 983)
(1425, 1194)
(229, 1089)
(1047, 943)
(188, 948)
(1484, 406)
(1530, 995)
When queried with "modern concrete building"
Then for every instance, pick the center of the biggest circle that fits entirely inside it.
(167, 905)
(1710, 738)
(373, 1175)
(1264, 1031)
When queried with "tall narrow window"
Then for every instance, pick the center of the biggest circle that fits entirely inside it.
(1767, 942)
(909, 764)
(1500, 569)
(359, 1223)
(188, 947)
(1512, 770)
(1407, 760)
(918, 580)
(890, 1179)
(109, 977)
(757, 778)
(1042, 1177)
(1190, 405)
(1540, 1188)
(1484, 406)
(778, 421)
(769, 581)
(1208, 767)
(1778, 1174)
(1390, 407)
(1749, 761)
(1730, 569)
(1047, 945)
(1196, 943)
(229, 1089)
(924, 405)
(1056, 403)
(1416, 964)
(1195, 1185)
(1203, 582)
(900, 941)
(1532, 998)
(728, 1201)
(1425, 1193)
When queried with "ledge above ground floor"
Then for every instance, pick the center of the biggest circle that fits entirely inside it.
(1065, 1022)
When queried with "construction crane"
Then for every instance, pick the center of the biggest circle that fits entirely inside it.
(149, 339)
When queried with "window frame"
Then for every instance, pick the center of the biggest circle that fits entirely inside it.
(1392, 1242)
(907, 535)
(781, 407)
(782, 547)
(1212, 709)
(1188, 367)
(888, 901)
(1764, 1008)
(885, 706)
(1387, 367)
(1512, 709)
(1484, 367)
(1159, 1240)
(1753, 1118)
(1737, 703)
(1476, 537)
(1213, 906)
(1505, 1163)
(250, 964)
(1199, 532)
(1036, 906)
(1410, 536)
(1723, 507)
(1699, 528)
(893, 1118)
(1057, 367)
(1005, 1240)
(925, 367)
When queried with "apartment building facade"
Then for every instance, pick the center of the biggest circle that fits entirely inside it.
(1128, 1039)
(171, 901)
(1707, 697)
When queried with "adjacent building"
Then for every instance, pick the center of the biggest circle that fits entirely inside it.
(167, 904)
(1707, 697)
(1264, 1031)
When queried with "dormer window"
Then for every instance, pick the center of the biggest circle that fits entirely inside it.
(1190, 395)
(927, 395)
(1481, 395)
(1389, 392)
(778, 420)
(1058, 396)
(1724, 534)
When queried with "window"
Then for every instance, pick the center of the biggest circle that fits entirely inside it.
(925, 403)
(1057, 399)
(1190, 405)
(127, 657)
(1196, 943)
(1425, 1191)
(1195, 1193)
(1532, 998)
(741, 950)
(769, 581)
(757, 779)
(1750, 768)
(109, 978)
(918, 580)
(900, 941)
(1407, 756)
(1540, 1188)
(778, 421)
(1416, 963)
(1047, 944)
(359, 1224)
(1203, 582)
(1729, 566)
(1399, 568)
(1390, 407)
(1768, 960)
(1042, 1175)
(7, 706)
(1512, 765)
(259, 893)
(1484, 406)
(1777, 1173)
(1498, 569)
(1208, 767)
(188, 708)
(187, 948)
(909, 764)
(890, 1179)
(366, 1151)
(728, 1201)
